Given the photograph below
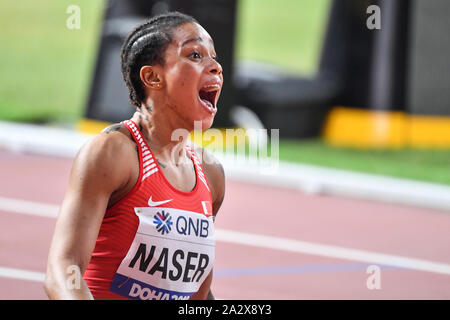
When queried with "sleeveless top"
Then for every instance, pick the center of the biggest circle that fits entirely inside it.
(157, 242)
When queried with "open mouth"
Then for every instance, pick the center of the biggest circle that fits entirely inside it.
(208, 97)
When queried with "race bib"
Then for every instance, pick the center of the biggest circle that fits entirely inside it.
(170, 256)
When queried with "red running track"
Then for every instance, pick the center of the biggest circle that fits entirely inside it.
(247, 271)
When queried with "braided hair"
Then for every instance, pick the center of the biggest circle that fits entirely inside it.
(146, 45)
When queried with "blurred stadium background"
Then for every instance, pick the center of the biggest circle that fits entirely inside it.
(364, 119)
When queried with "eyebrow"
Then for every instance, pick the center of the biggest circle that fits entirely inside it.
(198, 39)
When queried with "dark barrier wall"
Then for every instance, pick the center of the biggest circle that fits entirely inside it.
(429, 81)
(369, 64)
(347, 52)
(403, 66)
(108, 98)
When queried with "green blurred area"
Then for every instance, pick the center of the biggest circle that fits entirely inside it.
(287, 33)
(45, 66)
(422, 165)
(46, 70)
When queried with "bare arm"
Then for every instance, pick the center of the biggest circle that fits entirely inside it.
(98, 170)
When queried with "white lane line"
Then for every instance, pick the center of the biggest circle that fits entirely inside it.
(29, 207)
(21, 274)
(268, 242)
(330, 251)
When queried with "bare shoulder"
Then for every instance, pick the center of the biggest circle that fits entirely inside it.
(106, 156)
(215, 174)
(112, 143)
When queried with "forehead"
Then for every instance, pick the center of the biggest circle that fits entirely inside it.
(191, 31)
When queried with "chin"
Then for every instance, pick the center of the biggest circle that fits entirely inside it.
(207, 123)
(203, 120)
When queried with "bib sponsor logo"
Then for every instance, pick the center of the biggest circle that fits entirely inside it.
(188, 226)
(163, 222)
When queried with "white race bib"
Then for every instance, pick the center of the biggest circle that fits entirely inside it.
(170, 256)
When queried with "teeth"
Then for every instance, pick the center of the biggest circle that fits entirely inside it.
(211, 87)
(208, 104)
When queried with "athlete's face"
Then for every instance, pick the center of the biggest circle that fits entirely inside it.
(192, 77)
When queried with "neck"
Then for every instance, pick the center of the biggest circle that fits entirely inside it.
(163, 133)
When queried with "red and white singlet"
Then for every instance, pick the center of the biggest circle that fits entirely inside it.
(157, 242)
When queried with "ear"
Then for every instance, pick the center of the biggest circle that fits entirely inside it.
(150, 77)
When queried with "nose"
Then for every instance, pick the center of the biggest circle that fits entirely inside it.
(215, 67)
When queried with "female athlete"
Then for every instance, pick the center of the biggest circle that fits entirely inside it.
(137, 219)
